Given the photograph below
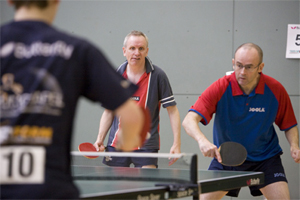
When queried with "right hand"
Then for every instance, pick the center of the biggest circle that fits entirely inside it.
(99, 146)
(209, 150)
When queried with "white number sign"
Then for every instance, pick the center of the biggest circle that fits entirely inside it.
(293, 41)
(22, 164)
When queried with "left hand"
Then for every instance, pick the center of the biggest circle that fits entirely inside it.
(174, 149)
(295, 153)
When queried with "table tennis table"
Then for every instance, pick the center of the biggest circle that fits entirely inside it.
(103, 182)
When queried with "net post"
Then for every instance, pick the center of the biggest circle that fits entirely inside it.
(194, 169)
(194, 176)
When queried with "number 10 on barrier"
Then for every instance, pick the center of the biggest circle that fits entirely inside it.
(22, 164)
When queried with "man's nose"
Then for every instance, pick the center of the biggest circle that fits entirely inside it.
(243, 70)
(137, 52)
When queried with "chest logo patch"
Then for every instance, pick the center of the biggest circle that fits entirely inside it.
(257, 110)
(135, 98)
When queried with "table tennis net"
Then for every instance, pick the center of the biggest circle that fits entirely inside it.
(184, 170)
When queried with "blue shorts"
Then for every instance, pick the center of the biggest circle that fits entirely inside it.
(127, 161)
(271, 167)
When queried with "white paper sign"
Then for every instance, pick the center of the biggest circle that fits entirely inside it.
(293, 41)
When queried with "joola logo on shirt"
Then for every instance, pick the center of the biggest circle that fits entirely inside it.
(135, 98)
(279, 175)
(257, 110)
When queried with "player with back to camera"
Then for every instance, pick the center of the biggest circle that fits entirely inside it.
(246, 104)
(44, 72)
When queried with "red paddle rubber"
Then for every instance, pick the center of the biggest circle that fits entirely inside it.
(86, 146)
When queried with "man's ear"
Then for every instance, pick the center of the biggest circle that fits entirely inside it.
(124, 51)
(260, 67)
(147, 51)
(233, 63)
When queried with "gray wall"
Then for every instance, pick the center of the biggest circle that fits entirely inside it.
(193, 41)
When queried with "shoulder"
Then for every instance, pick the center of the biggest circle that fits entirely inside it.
(154, 69)
(121, 69)
(215, 91)
(223, 82)
(275, 86)
(270, 81)
(158, 70)
(159, 76)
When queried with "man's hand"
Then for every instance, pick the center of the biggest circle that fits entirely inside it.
(292, 136)
(209, 150)
(99, 146)
(295, 153)
(174, 149)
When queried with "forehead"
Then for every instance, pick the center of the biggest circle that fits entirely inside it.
(136, 41)
(247, 56)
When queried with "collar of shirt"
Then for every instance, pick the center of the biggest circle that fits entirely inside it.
(149, 66)
(236, 90)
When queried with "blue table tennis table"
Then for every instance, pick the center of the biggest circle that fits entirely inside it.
(102, 182)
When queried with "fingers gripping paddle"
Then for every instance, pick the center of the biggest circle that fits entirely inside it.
(86, 146)
(232, 153)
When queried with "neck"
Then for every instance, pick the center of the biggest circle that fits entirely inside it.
(33, 13)
(134, 73)
(249, 89)
(135, 69)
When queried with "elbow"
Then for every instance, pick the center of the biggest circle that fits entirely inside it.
(185, 123)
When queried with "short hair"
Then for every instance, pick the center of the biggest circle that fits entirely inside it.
(135, 33)
(40, 3)
(249, 46)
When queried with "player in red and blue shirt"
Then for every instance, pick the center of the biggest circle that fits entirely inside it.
(243, 118)
(246, 104)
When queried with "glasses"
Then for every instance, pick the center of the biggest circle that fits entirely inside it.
(248, 68)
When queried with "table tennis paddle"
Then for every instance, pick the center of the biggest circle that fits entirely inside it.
(232, 153)
(86, 146)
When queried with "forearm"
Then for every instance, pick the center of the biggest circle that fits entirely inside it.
(175, 125)
(190, 125)
(292, 136)
(105, 124)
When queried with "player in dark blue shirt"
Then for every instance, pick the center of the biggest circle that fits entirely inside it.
(43, 74)
(154, 91)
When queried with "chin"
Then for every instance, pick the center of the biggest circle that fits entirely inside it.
(242, 83)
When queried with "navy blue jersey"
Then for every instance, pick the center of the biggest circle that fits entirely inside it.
(44, 72)
(154, 91)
